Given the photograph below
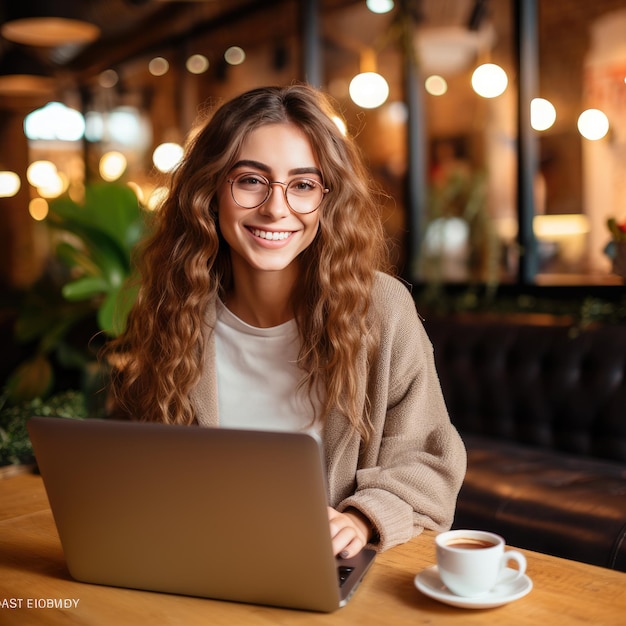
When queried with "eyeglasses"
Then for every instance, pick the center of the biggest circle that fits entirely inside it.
(302, 195)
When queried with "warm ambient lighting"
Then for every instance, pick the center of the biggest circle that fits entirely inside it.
(138, 191)
(167, 156)
(112, 165)
(197, 64)
(158, 66)
(54, 121)
(369, 90)
(380, 6)
(54, 187)
(489, 80)
(10, 184)
(436, 85)
(341, 125)
(50, 31)
(563, 225)
(108, 78)
(235, 55)
(397, 113)
(49, 182)
(542, 114)
(593, 124)
(38, 209)
(41, 173)
(157, 198)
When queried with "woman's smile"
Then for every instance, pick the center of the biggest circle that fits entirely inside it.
(270, 235)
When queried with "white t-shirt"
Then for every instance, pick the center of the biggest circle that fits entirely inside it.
(258, 376)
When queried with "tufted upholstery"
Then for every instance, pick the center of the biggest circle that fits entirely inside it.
(542, 410)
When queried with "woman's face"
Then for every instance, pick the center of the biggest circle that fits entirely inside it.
(270, 237)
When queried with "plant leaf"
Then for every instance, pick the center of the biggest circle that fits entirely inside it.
(85, 288)
(108, 208)
(114, 311)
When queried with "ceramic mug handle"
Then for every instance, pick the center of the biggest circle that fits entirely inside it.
(512, 575)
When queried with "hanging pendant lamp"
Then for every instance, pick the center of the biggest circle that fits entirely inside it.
(48, 24)
(23, 75)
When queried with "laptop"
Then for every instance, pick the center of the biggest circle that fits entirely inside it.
(229, 514)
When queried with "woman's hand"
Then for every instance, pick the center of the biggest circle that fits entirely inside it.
(350, 531)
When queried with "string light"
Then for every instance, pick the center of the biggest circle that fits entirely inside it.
(10, 184)
(380, 6)
(542, 114)
(593, 124)
(489, 80)
(158, 66)
(167, 156)
(112, 165)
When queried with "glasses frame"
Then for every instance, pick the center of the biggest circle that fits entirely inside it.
(270, 187)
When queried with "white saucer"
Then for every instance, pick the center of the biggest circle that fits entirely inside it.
(429, 583)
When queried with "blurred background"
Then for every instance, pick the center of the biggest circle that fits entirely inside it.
(496, 128)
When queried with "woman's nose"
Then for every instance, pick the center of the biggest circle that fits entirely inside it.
(276, 204)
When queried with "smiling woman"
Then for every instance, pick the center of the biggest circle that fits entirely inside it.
(264, 304)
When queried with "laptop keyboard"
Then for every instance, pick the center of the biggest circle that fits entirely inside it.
(344, 571)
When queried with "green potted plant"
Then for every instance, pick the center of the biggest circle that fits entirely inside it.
(82, 300)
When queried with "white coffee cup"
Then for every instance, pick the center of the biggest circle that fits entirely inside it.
(472, 562)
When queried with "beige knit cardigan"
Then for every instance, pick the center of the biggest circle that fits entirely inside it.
(407, 477)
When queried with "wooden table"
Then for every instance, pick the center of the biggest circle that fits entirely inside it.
(32, 570)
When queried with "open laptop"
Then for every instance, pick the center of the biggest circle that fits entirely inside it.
(220, 513)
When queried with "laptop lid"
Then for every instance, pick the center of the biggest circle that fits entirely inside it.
(221, 513)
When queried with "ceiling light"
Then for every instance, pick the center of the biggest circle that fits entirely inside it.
(23, 75)
(197, 64)
(235, 55)
(436, 85)
(593, 124)
(489, 80)
(10, 184)
(112, 165)
(379, 6)
(167, 156)
(369, 90)
(542, 114)
(158, 66)
(47, 24)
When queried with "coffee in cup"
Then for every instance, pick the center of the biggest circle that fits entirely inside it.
(472, 562)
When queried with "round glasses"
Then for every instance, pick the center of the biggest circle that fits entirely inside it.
(302, 195)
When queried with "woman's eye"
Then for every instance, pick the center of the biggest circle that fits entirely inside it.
(303, 185)
(250, 180)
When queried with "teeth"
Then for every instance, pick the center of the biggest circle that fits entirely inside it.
(274, 236)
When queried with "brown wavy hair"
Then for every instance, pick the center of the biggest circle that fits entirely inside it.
(185, 264)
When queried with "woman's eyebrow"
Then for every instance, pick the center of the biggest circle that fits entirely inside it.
(264, 168)
(305, 170)
(250, 163)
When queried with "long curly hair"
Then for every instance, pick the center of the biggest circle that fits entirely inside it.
(185, 264)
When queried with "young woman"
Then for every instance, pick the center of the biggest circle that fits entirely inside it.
(263, 304)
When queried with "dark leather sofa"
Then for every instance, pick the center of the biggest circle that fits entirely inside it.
(542, 410)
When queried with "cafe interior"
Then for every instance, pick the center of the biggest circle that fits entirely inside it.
(496, 130)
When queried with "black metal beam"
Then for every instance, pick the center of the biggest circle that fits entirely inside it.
(527, 45)
(311, 42)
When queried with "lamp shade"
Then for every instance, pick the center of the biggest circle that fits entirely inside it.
(48, 24)
(23, 75)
